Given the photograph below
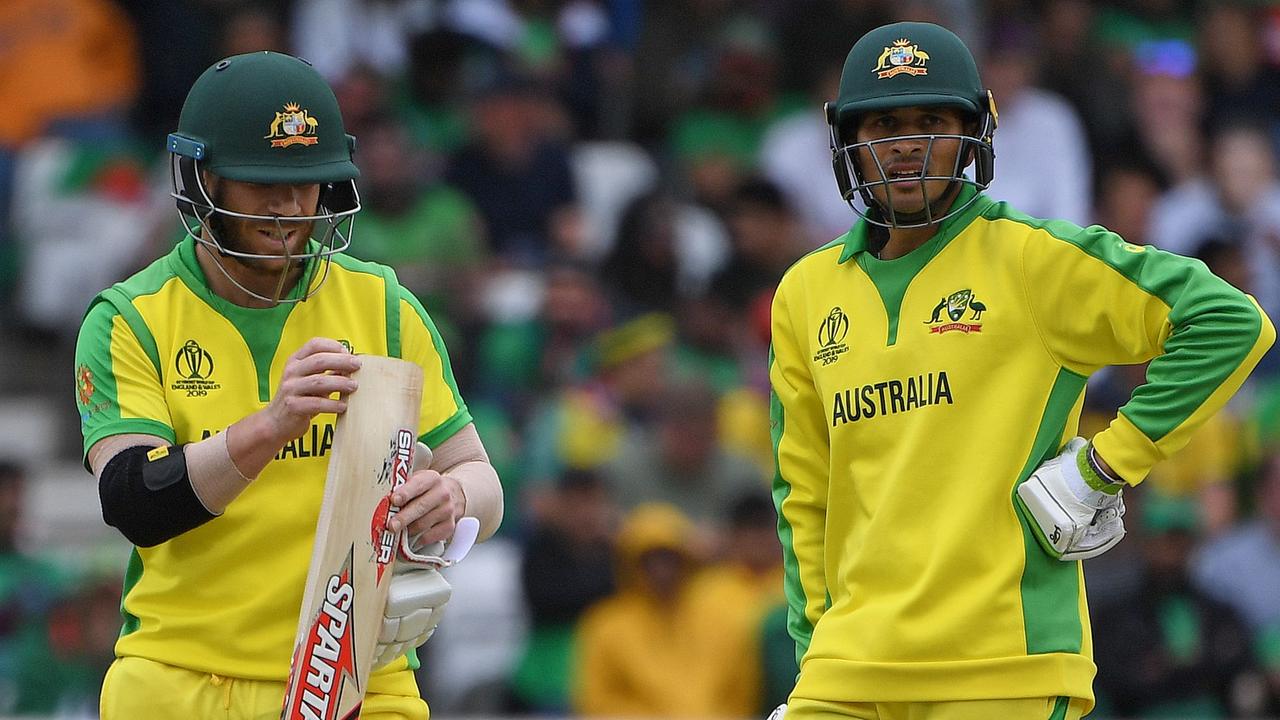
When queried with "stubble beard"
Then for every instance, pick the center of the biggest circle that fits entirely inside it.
(232, 235)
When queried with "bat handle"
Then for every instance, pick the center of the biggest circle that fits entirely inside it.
(464, 537)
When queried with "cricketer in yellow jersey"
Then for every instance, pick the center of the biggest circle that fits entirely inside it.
(208, 385)
(928, 371)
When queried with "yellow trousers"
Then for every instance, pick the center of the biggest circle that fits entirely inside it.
(140, 688)
(1060, 708)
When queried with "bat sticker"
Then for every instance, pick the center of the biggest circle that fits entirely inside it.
(328, 655)
(395, 472)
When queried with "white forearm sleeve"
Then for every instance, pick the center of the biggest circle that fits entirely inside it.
(463, 458)
(214, 475)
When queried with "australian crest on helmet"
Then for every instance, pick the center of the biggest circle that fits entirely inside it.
(903, 56)
(293, 126)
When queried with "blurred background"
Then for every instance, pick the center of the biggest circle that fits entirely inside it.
(595, 199)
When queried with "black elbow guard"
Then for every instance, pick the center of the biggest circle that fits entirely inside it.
(147, 496)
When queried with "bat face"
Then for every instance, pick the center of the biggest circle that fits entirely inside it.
(347, 581)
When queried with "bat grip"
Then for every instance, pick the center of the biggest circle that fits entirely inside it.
(464, 537)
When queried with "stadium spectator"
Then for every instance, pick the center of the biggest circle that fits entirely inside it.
(1237, 199)
(653, 648)
(517, 173)
(1168, 650)
(795, 154)
(430, 233)
(29, 591)
(1241, 569)
(1238, 81)
(1044, 161)
(568, 568)
(738, 590)
(679, 461)
(767, 238)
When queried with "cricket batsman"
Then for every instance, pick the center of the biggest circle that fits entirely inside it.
(208, 385)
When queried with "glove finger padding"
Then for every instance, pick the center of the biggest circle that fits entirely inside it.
(1070, 521)
(415, 605)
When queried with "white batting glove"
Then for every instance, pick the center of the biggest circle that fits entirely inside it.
(418, 592)
(778, 712)
(1076, 511)
(415, 605)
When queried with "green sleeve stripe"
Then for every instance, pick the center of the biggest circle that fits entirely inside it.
(1050, 588)
(132, 574)
(124, 306)
(101, 417)
(446, 429)
(1216, 326)
(393, 312)
(438, 343)
(798, 624)
(141, 426)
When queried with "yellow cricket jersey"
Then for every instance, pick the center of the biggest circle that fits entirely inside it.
(161, 354)
(911, 396)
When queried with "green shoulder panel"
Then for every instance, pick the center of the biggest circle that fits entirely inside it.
(97, 393)
(1215, 326)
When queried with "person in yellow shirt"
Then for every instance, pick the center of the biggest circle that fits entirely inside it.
(671, 641)
(208, 386)
(928, 370)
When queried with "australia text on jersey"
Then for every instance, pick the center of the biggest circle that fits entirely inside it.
(888, 397)
(316, 442)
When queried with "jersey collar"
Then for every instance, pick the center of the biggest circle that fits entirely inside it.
(855, 241)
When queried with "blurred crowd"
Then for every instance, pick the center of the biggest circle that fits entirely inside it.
(595, 199)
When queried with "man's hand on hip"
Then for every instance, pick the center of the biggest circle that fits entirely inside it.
(1075, 511)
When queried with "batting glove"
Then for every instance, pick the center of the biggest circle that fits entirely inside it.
(415, 605)
(1075, 508)
(418, 592)
(778, 712)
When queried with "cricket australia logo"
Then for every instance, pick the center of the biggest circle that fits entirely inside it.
(194, 366)
(294, 126)
(956, 305)
(831, 334)
(395, 472)
(902, 56)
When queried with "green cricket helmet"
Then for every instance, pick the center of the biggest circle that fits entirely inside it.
(909, 64)
(265, 118)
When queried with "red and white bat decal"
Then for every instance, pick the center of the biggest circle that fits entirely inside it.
(328, 656)
(395, 472)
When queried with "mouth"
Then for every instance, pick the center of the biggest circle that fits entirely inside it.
(287, 237)
(904, 172)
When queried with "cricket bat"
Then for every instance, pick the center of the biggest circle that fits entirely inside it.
(350, 573)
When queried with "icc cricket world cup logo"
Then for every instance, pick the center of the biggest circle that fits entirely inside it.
(194, 366)
(831, 333)
(194, 362)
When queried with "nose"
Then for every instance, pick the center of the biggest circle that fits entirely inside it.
(909, 146)
(285, 200)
